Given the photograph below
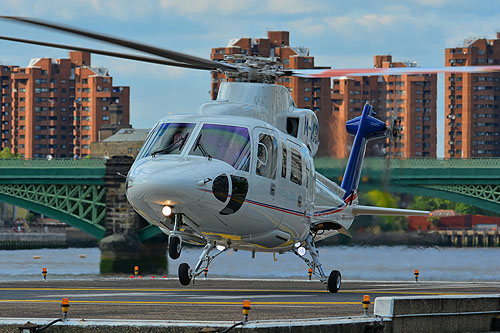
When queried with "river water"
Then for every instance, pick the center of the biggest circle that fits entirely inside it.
(355, 263)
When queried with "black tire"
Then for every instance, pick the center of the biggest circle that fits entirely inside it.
(174, 247)
(184, 276)
(334, 281)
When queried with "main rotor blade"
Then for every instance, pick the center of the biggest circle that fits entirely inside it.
(106, 53)
(325, 73)
(164, 53)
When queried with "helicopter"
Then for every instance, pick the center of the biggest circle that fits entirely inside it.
(239, 173)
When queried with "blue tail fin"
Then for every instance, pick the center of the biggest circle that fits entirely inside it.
(365, 128)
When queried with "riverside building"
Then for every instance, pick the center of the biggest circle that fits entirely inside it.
(411, 99)
(472, 101)
(58, 107)
(313, 94)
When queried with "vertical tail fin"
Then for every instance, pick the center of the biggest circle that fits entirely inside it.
(365, 128)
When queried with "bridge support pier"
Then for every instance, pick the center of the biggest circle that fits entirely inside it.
(121, 249)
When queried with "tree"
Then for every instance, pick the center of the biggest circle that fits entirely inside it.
(386, 223)
(30, 217)
(6, 153)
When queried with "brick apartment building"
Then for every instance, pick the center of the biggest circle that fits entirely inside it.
(408, 98)
(412, 99)
(472, 101)
(313, 94)
(58, 107)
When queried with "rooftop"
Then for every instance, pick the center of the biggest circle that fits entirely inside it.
(129, 134)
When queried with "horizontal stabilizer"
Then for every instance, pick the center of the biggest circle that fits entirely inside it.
(368, 210)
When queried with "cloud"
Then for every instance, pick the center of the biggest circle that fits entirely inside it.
(291, 7)
(308, 26)
(204, 7)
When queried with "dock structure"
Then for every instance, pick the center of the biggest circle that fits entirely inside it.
(469, 238)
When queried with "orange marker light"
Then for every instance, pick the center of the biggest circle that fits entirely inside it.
(416, 275)
(65, 307)
(310, 273)
(136, 270)
(366, 304)
(246, 309)
(44, 273)
(206, 272)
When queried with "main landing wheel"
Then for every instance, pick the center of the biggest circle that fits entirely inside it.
(184, 276)
(174, 247)
(334, 281)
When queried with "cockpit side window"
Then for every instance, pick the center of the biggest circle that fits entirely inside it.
(230, 144)
(167, 138)
(267, 156)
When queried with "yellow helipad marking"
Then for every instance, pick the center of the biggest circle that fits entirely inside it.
(241, 290)
(180, 302)
(402, 292)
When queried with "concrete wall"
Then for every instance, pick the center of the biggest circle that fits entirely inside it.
(468, 313)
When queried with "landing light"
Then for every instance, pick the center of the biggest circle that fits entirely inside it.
(298, 244)
(301, 251)
(220, 247)
(166, 211)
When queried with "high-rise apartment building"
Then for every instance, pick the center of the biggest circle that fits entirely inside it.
(472, 105)
(58, 107)
(411, 99)
(313, 94)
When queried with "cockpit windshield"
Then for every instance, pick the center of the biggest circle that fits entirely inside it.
(167, 138)
(230, 144)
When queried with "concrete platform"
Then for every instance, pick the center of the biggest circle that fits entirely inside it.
(209, 300)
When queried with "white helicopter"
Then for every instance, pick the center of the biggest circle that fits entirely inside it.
(239, 174)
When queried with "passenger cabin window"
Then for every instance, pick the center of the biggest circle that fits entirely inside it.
(283, 162)
(230, 144)
(296, 171)
(267, 156)
(166, 138)
(307, 174)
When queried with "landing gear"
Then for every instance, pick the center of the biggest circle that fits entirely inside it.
(175, 240)
(333, 281)
(184, 274)
(187, 274)
(174, 247)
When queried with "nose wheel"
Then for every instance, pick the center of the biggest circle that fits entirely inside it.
(175, 240)
(174, 247)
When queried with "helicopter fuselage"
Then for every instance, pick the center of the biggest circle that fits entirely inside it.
(254, 189)
(235, 179)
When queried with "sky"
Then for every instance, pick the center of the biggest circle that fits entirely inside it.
(340, 34)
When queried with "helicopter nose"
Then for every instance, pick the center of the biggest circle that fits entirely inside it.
(159, 183)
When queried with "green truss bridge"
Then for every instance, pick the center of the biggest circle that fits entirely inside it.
(89, 195)
(471, 181)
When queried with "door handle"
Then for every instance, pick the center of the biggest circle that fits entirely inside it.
(299, 201)
(273, 189)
